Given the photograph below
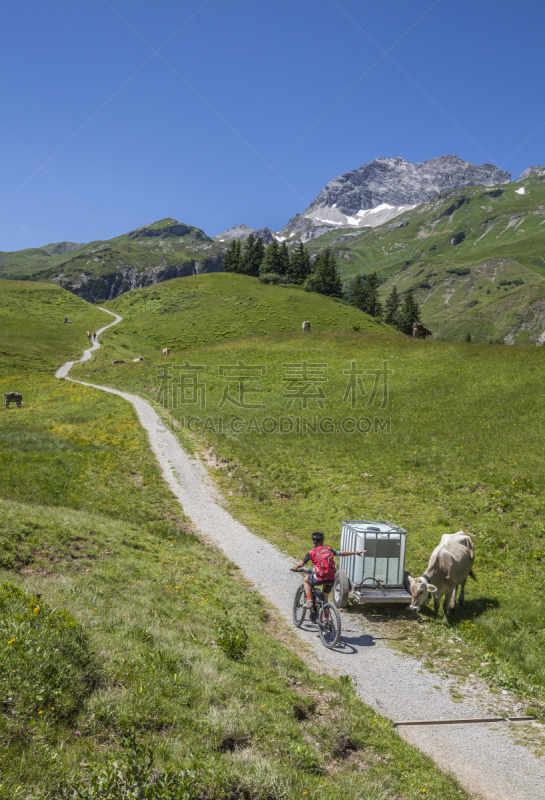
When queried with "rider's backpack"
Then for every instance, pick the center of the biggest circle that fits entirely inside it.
(324, 563)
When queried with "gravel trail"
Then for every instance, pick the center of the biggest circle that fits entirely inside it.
(483, 757)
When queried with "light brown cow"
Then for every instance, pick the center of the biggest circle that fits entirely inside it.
(165, 351)
(420, 330)
(13, 397)
(306, 325)
(449, 566)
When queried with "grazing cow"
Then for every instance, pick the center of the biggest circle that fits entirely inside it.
(165, 351)
(420, 330)
(118, 362)
(306, 325)
(13, 397)
(138, 358)
(450, 564)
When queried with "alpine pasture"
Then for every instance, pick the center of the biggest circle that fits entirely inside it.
(117, 625)
(457, 444)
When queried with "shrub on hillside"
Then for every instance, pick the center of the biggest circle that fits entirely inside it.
(46, 665)
(274, 278)
(132, 774)
(232, 638)
(459, 271)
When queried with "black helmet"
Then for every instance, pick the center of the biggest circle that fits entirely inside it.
(317, 536)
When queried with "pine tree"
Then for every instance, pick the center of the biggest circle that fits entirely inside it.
(373, 305)
(283, 260)
(358, 294)
(393, 301)
(248, 255)
(410, 313)
(299, 264)
(232, 260)
(259, 255)
(325, 278)
(271, 262)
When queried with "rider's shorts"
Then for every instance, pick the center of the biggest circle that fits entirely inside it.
(327, 586)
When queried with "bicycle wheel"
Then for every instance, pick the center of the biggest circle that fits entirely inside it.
(329, 625)
(299, 612)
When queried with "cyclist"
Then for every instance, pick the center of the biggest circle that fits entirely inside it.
(322, 556)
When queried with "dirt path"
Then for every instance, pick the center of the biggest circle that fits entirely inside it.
(484, 758)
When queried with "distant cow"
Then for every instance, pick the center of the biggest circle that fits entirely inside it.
(420, 330)
(118, 362)
(13, 397)
(138, 358)
(165, 351)
(450, 564)
(306, 325)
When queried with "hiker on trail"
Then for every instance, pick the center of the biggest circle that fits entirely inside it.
(89, 335)
(322, 556)
(94, 337)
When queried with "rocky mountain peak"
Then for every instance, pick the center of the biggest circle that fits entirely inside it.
(384, 188)
(530, 171)
(243, 231)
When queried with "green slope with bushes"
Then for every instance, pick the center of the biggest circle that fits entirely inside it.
(455, 442)
(474, 257)
(118, 628)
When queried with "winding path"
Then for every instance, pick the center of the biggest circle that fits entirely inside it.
(484, 758)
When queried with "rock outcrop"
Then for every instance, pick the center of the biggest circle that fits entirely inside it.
(243, 231)
(530, 171)
(98, 288)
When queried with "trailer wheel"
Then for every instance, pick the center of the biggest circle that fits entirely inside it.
(407, 582)
(341, 589)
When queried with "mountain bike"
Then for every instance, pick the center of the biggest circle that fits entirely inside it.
(323, 614)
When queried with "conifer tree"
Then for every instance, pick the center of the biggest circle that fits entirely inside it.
(393, 301)
(248, 256)
(232, 260)
(373, 305)
(271, 262)
(410, 313)
(358, 294)
(299, 264)
(283, 259)
(325, 278)
(259, 255)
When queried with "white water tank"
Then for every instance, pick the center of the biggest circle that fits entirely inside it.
(384, 562)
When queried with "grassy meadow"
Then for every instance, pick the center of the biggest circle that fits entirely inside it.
(458, 444)
(116, 624)
(205, 309)
(34, 336)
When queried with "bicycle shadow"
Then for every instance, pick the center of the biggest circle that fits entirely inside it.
(351, 645)
(348, 644)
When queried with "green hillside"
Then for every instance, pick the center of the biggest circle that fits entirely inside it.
(101, 269)
(114, 675)
(34, 336)
(455, 442)
(474, 250)
(205, 309)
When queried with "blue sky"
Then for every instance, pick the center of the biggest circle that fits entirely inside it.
(115, 114)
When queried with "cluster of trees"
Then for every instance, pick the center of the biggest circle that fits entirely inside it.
(275, 264)
(401, 313)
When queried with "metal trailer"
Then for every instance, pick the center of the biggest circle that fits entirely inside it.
(379, 576)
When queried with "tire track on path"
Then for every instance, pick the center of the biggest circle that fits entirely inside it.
(484, 758)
